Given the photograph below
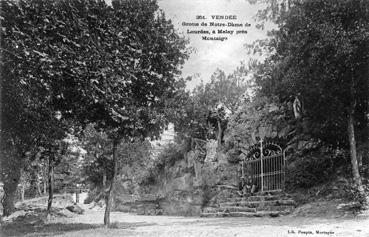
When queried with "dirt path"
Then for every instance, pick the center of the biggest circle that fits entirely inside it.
(90, 224)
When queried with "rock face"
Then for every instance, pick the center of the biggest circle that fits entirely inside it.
(178, 188)
(139, 204)
(186, 187)
(182, 203)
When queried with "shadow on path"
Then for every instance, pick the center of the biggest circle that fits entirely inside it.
(54, 229)
(21, 229)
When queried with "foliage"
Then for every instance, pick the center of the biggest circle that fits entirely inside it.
(357, 195)
(111, 65)
(133, 158)
(191, 112)
(187, 114)
(98, 159)
(261, 117)
(207, 195)
(100, 60)
(314, 167)
(68, 172)
(171, 153)
(322, 55)
(227, 90)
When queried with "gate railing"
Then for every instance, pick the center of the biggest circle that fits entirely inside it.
(266, 171)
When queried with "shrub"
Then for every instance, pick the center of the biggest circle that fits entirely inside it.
(314, 167)
(172, 153)
(233, 156)
(94, 195)
(355, 194)
(207, 195)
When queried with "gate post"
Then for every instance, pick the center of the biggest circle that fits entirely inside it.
(284, 169)
(261, 166)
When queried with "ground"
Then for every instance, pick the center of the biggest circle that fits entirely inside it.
(91, 224)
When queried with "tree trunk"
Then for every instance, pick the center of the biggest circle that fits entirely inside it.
(354, 163)
(45, 177)
(366, 141)
(45, 187)
(22, 192)
(351, 137)
(353, 149)
(38, 184)
(10, 175)
(8, 198)
(77, 196)
(219, 133)
(104, 179)
(51, 185)
(353, 155)
(109, 197)
(33, 182)
(36, 180)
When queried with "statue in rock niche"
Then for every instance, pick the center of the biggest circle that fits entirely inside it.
(297, 107)
(217, 122)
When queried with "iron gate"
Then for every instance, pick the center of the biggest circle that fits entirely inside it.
(264, 164)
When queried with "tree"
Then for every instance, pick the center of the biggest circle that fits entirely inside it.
(231, 90)
(187, 113)
(27, 116)
(136, 109)
(323, 55)
(208, 105)
(108, 65)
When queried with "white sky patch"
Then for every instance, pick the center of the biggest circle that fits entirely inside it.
(211, 55)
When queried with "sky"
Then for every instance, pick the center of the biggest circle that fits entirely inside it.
(210, 54)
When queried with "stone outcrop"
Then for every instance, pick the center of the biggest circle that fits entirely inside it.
(140, 204)
(75, 209)
(191, 188)
(184, 188)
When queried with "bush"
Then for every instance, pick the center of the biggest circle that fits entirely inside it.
(171, 154)
(357, 195)
(314, 167)
(167, 157)
(233, 156)
(207, 195)
(94, 195)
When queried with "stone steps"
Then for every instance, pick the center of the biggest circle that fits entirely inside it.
(253, 198)
(246, 214)
(248, 209)
(229, 209)
(283, 208)
(252, 206)
(260, 198)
